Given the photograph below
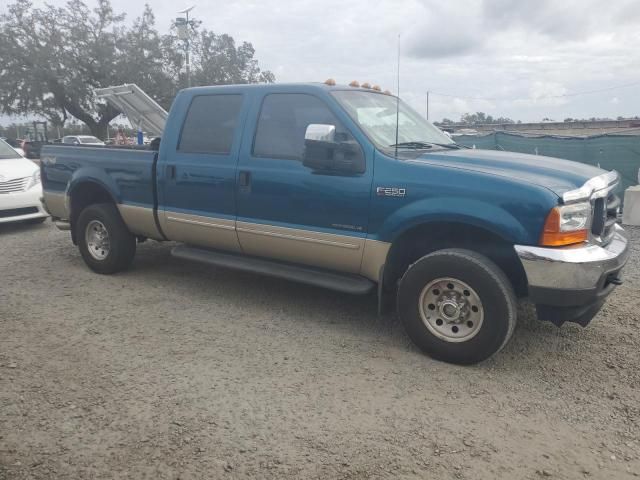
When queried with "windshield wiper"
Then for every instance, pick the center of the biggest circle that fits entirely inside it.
(418, 145)
(454, 146)
(415, 145)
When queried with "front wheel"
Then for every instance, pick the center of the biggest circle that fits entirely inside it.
(457, 306)
(105, 243)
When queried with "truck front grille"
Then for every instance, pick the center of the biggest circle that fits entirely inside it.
(605, 215)
(13, 186)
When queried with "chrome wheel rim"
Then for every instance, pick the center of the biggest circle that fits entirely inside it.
(97, 239)
(451, 310)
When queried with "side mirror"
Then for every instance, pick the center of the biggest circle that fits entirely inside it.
(320, 132)
(324, 153)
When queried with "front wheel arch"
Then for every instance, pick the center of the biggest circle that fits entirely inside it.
(426, 238)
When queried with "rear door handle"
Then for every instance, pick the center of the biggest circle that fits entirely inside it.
(244, 178)
(171, 171)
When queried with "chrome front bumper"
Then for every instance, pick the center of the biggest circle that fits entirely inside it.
(573, 267)
(572, 283)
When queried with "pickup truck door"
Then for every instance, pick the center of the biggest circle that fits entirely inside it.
(287, 211)
(197, 171)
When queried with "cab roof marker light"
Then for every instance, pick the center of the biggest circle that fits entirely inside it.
(387, 92)
(366, 85)
(376, 88)
(330, 81)
(354, 84)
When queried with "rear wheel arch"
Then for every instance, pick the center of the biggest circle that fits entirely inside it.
(83, 194)
(425, 238)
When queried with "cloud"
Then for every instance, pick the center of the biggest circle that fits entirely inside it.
(441, 30)
(514, 50)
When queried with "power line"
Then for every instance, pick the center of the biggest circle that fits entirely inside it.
(564, 95)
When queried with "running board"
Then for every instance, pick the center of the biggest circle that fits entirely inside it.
(311, 276)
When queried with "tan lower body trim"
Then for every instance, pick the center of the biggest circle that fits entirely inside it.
(375, 256)
(139, 220)
(202, 231)
(333, 252)
(56, 204)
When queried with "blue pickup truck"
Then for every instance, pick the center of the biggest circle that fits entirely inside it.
(348, 188)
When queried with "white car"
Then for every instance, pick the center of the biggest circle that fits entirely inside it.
(81, 140)
(20, 188)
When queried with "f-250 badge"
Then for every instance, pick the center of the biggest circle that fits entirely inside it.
(391, 192)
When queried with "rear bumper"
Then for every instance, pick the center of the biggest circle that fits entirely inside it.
(19, 206)
(571, 284)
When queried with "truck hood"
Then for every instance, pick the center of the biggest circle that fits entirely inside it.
(16, 168)
(556, 174)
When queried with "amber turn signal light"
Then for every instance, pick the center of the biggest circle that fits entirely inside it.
(553, 236)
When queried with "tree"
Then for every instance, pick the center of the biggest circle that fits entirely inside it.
(54, 57)
(483, 118)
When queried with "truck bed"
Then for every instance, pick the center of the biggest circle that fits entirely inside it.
(128, 173)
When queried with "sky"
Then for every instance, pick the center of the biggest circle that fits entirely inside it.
(513, 58)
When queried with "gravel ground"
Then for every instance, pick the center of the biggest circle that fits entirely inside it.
(175, 370)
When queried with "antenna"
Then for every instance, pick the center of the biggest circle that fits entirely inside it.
(398, 99)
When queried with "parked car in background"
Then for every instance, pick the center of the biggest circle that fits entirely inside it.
(20, 188)
(15, 143)
(82, 140)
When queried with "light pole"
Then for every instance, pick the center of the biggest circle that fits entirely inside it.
(428, 104)
(183, 24)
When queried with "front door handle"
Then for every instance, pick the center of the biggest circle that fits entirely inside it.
(244, 178)
(171, 171)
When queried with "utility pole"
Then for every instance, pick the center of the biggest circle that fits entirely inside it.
(183, 24)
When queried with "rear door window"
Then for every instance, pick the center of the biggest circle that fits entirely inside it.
(210, 124)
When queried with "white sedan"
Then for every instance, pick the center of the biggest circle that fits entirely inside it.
(20, 188)
(82, 140)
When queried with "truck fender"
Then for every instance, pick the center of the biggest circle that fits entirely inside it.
(95, 175)
(454, 210)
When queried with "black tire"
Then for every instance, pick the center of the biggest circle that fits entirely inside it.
(490, 285)
(122, 244)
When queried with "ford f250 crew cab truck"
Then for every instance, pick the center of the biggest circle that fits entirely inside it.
(348, 188)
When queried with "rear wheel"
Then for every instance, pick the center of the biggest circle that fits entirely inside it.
(457, 306)
(105, 243)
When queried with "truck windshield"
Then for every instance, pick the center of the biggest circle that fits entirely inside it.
(6, 152)
(376, 115)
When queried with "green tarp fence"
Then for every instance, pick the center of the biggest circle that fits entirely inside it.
(610, 152)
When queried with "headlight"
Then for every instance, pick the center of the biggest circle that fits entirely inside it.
(34, 180)
(566, 225)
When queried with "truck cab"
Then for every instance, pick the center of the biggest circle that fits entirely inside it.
(348, 188)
